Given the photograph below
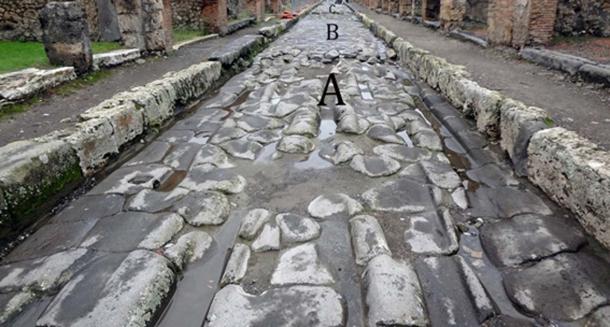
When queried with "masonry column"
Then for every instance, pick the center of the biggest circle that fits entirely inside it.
(65, 35)
(542, 20)
(499, 22)
(404, 7)
(257, 8)
(452, 14)
(276, 6)
(214, 14)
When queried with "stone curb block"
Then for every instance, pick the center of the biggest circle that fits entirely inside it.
(180, 45)
(576, 174)
(31, 172)
(595, 73)
(20, 85)
(237, 49)
(570, 169)
(115, 58)
(555, 60)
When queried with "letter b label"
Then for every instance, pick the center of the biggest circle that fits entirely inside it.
(332, 31)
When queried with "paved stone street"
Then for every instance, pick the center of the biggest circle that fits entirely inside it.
(264, 209)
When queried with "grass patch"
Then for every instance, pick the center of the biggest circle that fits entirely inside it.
(16, 55)
(83, 81)
(185, 34)
(10, 110)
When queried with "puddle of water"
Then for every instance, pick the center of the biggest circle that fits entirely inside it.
(328, 128)
(267, 153)
(313, 161)
(406, 138)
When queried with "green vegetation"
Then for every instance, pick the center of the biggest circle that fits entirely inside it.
(184, 34)
(16, 55)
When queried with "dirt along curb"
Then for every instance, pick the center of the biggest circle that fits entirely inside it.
(572, 170)
(36, 173)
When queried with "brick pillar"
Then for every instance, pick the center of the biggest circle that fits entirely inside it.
(520, 22)
(404, 7)
(157, 19)
(542, 20)
(275, 6)
(214, 13)
(452, 14)
(499, 22)
(394, 6)
(423, 12)
(65, 35)
(257, 8)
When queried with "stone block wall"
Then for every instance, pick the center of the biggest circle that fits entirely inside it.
(476, 10)
(520, 22)
(187, 13)
(576, 17)
(542, 20)
(19, 19)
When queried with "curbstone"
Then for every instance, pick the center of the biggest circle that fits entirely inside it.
(127, 122)
(19, 85)
(517, 125)
(94, 142)
(32, 172)
(194, 81)
(575, 173)
(595, 73)
(553, 59)
(115, 58)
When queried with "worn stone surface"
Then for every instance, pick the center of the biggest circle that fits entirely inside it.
(252, 223)
(267, 240)
(242, 149)
(340, 152)
(401, 195)
(325, 206)
(296, 144)
(573, 171)
(301, 265)
(309, 305)
(188, 248)
(367, 238)
(65, 35)
(388, 304)
(237, 265)
(431, 233)
(565, 287)
(203, 208)
(529, 238)
(297, 228)
(133, 293)
(205, 177)
(375, 166)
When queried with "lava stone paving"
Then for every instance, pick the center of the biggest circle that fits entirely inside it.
(262, 208)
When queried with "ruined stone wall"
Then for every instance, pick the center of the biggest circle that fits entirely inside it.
(19, 19)
(576, 17)
(476, 10)
(187, 13)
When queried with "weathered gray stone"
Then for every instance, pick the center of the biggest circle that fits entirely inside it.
(212, 154)
(301, 265)
(189, 248)
(528, 238)
(242, 149)
(66, 36)
(42, 274)
(305, 121)
(308, 305)
(428, 140)
(599, 318)
(268, 240)
(564, 287)
(153, 153)
(325, 206)
(226, 134)
(454, 295)
(375, 166)
(441, 174)
(251, 123)
(574, 172)
(367, 238)
(181, 156)
(401, 195)
(384, 133)
(132, 179)
(492, 175)
(388, 303)
(402, 152)
(339, 152)
(154, 201)
(265, 136)
(203, 208)
(296, 228)
(206, 177)
(296, 144)
(130, 230)
(427, 233)
(115, 58)
(129, 296)
(25, 83)
(237, 265)
(518, 123)
(252, 223)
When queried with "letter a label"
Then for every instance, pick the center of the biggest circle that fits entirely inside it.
(332, 79)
